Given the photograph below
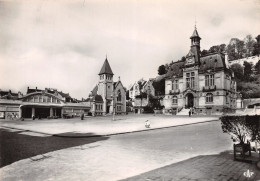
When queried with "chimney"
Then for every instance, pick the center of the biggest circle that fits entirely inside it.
(36, 88)
(226, 56)
(28, 88)
(226, 60)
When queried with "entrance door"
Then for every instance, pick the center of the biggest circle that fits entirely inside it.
(26, 112)
(208, 110)
(108, 109)
(42, 112)
(190, 100)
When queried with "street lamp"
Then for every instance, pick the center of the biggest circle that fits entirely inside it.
(113, 96)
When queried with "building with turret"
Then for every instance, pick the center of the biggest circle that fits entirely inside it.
(108, 96)
(203, 84)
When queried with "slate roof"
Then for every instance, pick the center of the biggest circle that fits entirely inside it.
(176, 69)
(214, 61)
(94, 91)
(195, 33)
(8, 95)
(106, 69)
(66, 95)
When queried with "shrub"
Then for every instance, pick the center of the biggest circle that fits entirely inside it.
(241, 128)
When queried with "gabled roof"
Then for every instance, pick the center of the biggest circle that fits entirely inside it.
(106, 69)
(117, 83)
(94, 91)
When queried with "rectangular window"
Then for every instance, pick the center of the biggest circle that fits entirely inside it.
(174, 100)
(175, 85)
(192, 83)
(190, 80)
(209, 80)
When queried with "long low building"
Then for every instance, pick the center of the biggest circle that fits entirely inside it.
(40, 104)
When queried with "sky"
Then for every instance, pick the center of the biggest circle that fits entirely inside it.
(63, 44)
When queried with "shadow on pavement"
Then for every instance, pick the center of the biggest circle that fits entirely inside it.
(15, 146)
(204, 167)
(76, 135)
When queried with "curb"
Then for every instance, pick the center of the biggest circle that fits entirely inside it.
(112, 134)
(26, 130)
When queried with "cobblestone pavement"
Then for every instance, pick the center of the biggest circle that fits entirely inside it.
(220, 167)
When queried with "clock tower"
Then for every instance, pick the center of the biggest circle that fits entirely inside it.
(193, 57)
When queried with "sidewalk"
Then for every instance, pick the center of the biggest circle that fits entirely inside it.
(102, 126)
(203, 168)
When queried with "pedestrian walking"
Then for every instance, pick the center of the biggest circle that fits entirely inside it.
(189, 113)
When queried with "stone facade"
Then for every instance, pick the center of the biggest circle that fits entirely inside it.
(136, 89)
(203, 83)
(108, 96)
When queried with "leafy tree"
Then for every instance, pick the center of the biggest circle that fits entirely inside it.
(183, 58)
(217, 48)
(141, 91)
(249, 45)
(241, 128)
(256, 49)
(238, 71)
(257, 67)
(162, 70)
(154, 102)
(235, 127)
(204, 52)
(159, 87)
(235, 49)
(247, 70)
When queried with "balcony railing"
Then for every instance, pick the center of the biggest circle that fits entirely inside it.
(209, 88)
(174, 91)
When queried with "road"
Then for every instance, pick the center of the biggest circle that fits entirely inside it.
(119, 156)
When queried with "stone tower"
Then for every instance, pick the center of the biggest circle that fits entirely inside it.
(195, 45)
(105, 85)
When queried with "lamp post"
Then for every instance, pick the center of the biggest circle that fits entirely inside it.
(113, 96)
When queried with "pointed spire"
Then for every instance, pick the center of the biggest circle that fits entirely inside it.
(195, 23)
(106, 69)
(195, 33)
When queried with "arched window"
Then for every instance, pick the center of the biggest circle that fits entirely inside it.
(175, 100)
(119, 96)
(209, 97)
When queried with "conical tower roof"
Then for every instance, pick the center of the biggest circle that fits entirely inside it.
(195, 34)
(106, 69)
